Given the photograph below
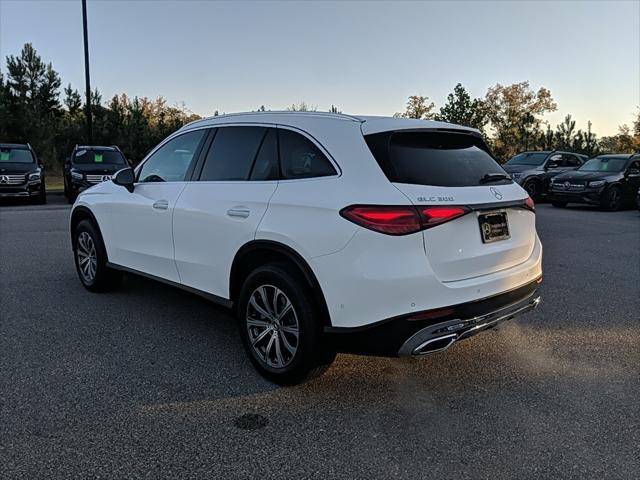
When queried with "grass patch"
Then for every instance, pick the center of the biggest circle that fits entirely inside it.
(54, 183)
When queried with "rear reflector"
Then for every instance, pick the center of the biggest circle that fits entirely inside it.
(401, 220)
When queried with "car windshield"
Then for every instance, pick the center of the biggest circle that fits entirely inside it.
(528, 158)
(604, 164)
(100, 157)
(15, 155)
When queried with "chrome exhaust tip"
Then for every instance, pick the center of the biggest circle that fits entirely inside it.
(434, 345)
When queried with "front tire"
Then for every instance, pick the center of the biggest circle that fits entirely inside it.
(533, 188)
(280, 326)
(91, 259)
(611, 199)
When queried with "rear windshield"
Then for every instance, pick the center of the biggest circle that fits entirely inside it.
(434, 158)
(88, 157)
(15, 155)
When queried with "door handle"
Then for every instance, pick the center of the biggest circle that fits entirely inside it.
(161, 205)
(238, 212)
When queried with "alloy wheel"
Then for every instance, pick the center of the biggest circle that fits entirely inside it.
(87, 257)
(272, 325)
(532, 189)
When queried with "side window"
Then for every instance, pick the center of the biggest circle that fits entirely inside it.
(232, 153)
(266, 164)
(300, 158)
(171, 162)
(635, 165)
(572, 161)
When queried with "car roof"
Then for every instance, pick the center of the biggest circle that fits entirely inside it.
(615, 155)
(368, 124)
(95, 147)
(21, 146)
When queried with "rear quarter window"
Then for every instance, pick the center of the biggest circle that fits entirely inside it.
(433, 158)
(300, 158)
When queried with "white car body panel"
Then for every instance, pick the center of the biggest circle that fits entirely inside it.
(211, 222)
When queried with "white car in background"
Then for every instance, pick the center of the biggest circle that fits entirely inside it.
(324, 232)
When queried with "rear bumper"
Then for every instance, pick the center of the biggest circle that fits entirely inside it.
(419, 333)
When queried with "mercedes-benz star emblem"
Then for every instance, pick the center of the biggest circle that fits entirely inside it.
(567, 185)
(106, 178)
(496, 193)
(4, 179)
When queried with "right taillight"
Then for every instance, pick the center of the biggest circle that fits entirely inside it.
(401, 220)
(529, 204)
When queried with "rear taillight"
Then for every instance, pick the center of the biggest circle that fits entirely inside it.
(432, 216)
(400, 220)
(389, 220)
(529, 204)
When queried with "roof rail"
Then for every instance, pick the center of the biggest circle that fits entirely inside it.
(279, 112)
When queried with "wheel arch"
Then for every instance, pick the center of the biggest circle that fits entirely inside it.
(260, 252)
(79, 214)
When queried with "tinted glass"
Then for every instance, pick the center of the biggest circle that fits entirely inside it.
(429, 158)
(15, 155)
(99, 157)
(232, 153)
(266, 164)
(171, 162)
(300, 158)
(528, 158)
(604, 164)
(572, 161)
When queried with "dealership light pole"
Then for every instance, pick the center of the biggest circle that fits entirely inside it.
(86, 71)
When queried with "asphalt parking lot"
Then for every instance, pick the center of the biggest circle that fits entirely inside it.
(152, 382)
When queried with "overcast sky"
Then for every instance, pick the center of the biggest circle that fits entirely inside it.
(364, 57)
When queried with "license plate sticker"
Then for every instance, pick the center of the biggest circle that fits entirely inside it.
(494, 226)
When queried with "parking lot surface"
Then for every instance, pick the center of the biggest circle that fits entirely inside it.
(152, 382)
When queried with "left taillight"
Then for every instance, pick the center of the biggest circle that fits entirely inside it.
(401, 220)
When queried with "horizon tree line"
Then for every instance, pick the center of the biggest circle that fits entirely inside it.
(510, 117)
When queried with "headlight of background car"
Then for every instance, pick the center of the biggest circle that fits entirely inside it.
(76, 175)
(35, 176)
(597, 183)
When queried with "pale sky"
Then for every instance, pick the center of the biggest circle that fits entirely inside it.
(364, 57)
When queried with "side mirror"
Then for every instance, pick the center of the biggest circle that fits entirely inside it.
(633, 172)
(552, 164)
(125, 178)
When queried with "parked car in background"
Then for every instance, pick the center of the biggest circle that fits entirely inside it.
(90, 165)
(313, 227)
(534, 170)
(610, 181)
(21, 175)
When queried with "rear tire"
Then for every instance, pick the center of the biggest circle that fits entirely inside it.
(559, 204)
(611, 199)
(280, 326)
(91, 259)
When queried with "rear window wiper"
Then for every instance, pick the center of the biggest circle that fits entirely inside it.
(494, 177)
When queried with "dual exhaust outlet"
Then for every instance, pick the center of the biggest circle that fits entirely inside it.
(431, 340)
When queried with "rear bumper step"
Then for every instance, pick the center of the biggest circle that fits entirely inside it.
(436, 339)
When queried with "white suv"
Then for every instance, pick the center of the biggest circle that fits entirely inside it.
(324, 232)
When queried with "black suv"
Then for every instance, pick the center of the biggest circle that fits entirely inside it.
(534, 170)
(89, 165)
(610, 181)
(21, 175)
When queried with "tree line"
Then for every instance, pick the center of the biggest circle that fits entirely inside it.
(35, 108)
